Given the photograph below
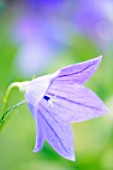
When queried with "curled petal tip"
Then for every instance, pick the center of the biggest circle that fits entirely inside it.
(107, 110)
(99, 58)
(36, 150)
(73, 158)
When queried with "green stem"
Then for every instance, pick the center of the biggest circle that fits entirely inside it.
(15, 84)
(22, 87)
(5, 114)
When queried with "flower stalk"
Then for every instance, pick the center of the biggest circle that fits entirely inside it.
(22, 86)
(12, 108)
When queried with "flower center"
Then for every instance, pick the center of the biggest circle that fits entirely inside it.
(46, 98)
(50, 100)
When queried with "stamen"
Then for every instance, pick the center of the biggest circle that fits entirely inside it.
(46, 98)
(50, 100)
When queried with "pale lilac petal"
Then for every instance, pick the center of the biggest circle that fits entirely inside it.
(75, 103)
(57, 132)
(78, 73)
(36, 90)
(39, 133)
(39, 136)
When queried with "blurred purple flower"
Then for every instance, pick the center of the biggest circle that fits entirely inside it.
(95, 19)
(60, 98)
(42, 29)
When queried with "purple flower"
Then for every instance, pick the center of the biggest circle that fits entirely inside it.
(42, 29)
(94, 18)
(60, 98)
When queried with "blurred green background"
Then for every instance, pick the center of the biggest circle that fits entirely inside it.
(93, 140)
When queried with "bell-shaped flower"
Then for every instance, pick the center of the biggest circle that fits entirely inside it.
(60, 98)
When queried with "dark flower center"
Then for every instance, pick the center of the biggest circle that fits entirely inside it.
(46, 98)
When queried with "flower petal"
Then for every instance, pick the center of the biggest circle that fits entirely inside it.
(57, 132)
(36, 90)
(38, 87)
(39, 133)
(39, 136)
(75, 103)
(78, 73)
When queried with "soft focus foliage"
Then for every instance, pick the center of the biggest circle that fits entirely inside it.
(69, 43)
